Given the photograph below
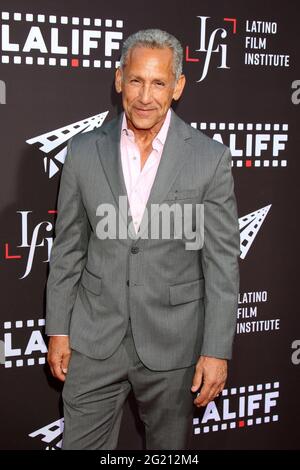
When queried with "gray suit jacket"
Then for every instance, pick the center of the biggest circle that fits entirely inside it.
(182, 303)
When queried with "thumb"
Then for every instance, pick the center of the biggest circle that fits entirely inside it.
(65, 363)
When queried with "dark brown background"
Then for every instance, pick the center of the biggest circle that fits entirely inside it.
(44, 98)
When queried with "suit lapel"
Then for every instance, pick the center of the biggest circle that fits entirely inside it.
(108, 146)
(174, 156)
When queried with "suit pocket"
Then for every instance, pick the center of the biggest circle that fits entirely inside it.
(185, 194)
(91, 282)
(187, 292)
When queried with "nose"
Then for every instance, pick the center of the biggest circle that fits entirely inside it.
(145, 94)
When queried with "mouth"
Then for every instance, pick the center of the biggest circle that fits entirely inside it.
(144, 112)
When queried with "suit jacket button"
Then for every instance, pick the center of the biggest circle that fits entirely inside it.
(134, 250)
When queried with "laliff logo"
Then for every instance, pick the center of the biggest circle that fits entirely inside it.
(52, 140)
(252, 145)
(51, 40)
(211, 43)
(240, 407)
(51, 434)
(24, 344)
(31, 240)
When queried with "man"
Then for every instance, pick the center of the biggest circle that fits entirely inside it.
(138, 312)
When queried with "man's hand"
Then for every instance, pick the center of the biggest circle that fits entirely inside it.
(59, 354)
(211, 373)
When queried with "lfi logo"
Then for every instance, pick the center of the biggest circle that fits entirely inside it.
(211, 44)
(31, 240)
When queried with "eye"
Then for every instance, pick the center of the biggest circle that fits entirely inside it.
(134, 80)
(160, 84)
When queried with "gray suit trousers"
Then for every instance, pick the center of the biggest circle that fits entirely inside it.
(95, 391)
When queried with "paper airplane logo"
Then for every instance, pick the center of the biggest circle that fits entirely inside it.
(54, 139)
(249, 228)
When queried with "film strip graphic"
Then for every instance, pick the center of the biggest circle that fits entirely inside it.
(57, 21)
(246, 162)
(242, 421)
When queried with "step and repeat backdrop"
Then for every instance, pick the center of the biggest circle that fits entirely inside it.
(57, 63)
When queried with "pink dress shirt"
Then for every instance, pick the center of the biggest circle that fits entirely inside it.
(139, 182)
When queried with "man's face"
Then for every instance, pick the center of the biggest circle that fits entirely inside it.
(148, 85)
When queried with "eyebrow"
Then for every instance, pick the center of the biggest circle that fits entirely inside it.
(141, 78)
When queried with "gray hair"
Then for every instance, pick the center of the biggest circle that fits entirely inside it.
(154, 38)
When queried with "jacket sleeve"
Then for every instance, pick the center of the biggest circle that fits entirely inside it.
(220, 255)
(69, 250)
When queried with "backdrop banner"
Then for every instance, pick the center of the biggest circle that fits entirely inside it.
(241, 60)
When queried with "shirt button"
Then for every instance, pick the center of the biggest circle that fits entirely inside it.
(127, 282)
(134, 249)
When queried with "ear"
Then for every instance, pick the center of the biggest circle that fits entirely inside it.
(118, 80)
(179, 87)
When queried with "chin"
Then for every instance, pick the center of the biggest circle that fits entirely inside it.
(143, 123)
